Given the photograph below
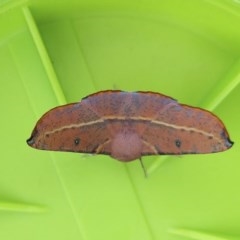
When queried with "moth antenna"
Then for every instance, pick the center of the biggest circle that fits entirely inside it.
(143, 167)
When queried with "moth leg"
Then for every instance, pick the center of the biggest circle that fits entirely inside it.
(100, 147)
(143, 167)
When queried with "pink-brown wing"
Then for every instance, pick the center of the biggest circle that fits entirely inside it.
(73, 127)
(181, 129)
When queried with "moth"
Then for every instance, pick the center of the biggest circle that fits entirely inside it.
(129, 125)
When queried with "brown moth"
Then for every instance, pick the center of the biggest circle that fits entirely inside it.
(128, 125)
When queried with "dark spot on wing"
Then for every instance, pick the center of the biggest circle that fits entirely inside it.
(76, 141)
(178, 143)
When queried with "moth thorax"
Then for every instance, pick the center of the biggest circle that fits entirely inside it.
(126, 146)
